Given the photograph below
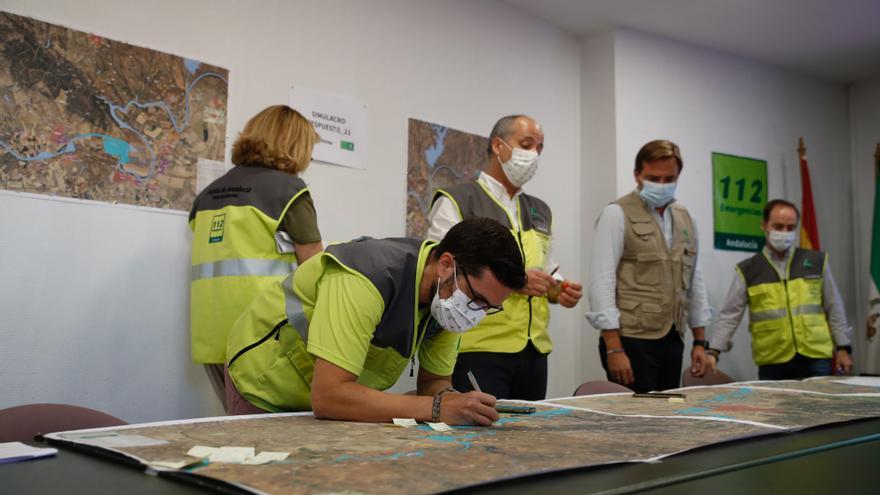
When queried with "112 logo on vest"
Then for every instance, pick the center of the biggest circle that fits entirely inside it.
(217, 225)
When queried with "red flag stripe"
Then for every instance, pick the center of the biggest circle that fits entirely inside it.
(808, 211)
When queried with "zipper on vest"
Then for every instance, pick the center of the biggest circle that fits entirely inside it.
(522, 251)
(275, 331)
(790, 318)
(420, 334)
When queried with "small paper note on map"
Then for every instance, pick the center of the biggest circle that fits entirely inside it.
(266, 457)
(676, 399)
(236, 455)
(440, 426)
(405, 422)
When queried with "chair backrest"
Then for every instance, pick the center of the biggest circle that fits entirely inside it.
(600, 387)
(714, 377)
(22, 423)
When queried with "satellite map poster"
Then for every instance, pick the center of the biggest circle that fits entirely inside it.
(437, 157)
(86, 117)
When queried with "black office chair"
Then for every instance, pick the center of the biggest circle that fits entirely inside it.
(23, 423)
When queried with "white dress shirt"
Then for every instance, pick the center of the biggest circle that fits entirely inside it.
(444, 214)
(607, 252)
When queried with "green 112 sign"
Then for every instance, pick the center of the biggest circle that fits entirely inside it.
(739, 193)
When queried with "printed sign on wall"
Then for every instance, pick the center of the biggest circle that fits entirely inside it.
(342, 124)
(739, 189)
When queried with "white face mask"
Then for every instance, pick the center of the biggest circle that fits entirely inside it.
(521, 167)
(658, 195)
(781, 241)
(453, 313)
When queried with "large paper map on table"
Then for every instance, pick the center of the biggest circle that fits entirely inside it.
(346, 457)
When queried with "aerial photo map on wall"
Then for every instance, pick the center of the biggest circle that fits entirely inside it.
(437, 157)
(86, 117)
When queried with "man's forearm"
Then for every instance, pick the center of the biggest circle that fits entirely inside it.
(433, 386)
(612, 339)
(352, 401)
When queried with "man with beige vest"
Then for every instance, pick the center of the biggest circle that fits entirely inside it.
(646, 288)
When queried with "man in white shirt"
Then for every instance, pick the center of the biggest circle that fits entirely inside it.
(507, 351)
(646, 287)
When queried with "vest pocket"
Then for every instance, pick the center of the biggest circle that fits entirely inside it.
(286, 382)
(688, 262)
(639, 317)
(648, 269)
(763, 297)
(818, 334)
(770, 342)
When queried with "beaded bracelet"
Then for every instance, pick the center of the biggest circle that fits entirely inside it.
(435, 410)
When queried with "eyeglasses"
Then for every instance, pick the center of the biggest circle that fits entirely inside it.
(478, 302)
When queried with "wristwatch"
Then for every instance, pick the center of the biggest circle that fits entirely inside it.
(701, 342)
(715, 353)
(847, 348)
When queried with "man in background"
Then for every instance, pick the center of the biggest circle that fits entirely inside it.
(796, 316)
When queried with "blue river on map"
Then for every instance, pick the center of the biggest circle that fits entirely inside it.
(120, 148)
(434, 152)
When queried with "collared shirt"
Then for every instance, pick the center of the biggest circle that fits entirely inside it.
(738, 301)
(607, 252)
(444, 214)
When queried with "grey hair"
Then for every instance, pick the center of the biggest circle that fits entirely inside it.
(502, 129)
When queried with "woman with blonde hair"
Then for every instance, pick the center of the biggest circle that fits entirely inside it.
(250, 228)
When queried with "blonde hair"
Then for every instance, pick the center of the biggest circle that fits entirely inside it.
(659, 149)
(279, 137)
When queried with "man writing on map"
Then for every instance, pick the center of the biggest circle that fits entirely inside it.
(341, 328)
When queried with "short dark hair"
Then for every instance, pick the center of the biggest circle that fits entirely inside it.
(502, 129)
(480, 243)
(773, 203)
(659, 149)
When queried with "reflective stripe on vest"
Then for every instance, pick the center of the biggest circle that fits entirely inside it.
(786, 316)
(293, 307)
(242, 268)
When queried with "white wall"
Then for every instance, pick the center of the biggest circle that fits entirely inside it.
(705, 101)
(598, 170)
(865, 131)
(94, 297)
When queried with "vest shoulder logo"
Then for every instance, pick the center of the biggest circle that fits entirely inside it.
(218, 223)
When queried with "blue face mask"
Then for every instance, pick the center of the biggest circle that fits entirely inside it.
(657, 195)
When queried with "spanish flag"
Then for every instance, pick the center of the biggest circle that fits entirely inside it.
(809, 229)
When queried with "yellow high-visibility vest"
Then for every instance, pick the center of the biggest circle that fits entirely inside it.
(525, 318)
(237, 250)
(786, 316)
